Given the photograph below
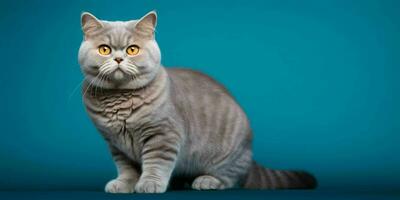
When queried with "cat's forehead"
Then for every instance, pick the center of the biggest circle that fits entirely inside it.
(119, 24)
(117, 33)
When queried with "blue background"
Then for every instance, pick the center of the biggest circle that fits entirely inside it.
(319, 81)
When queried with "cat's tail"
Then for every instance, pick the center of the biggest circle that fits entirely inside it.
(259, 177)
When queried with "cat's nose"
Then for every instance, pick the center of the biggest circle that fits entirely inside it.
(118, 59)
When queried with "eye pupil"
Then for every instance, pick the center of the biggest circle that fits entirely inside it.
(132, 50)
(104, 49)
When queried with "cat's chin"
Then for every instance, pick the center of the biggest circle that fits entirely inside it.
(118, 77)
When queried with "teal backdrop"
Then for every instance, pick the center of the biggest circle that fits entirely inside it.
(319, 81)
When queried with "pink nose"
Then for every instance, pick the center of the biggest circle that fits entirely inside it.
(118, 60)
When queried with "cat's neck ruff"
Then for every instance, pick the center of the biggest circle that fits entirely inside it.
(159, 83)
(100, 99)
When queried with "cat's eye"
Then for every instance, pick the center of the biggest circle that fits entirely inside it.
(132, 50)
(104, 49)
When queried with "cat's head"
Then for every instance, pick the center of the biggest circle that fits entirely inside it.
(119, 55)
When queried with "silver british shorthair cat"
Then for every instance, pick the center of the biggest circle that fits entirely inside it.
(166, 127)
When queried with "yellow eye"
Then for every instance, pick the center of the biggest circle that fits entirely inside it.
(132, 50)
(104, 49)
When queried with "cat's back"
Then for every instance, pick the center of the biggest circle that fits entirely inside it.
(195, 82)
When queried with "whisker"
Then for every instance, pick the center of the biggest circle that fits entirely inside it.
(95, 86)
(102, 78)
(133, 69)
(131, 72)
(90, 85)
(74, 90)
(108, 71)
(98, 85)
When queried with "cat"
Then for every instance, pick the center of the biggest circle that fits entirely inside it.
(166, 127)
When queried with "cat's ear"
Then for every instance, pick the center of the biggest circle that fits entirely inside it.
(147, 24)
(90, 24)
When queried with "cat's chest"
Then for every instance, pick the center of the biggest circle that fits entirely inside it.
(117, 116)
(120, 118)
(119, 107)
(112, 112)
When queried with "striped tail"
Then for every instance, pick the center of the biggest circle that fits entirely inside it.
(259, 177)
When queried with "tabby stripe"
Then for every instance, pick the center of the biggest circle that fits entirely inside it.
(272, 178)
(284, 179)
(294, 179)
(148, 137)
(159, 155)
(261, 175)
(157, 145)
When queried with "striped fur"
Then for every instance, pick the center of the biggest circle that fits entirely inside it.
(259, 177)
(167, 124)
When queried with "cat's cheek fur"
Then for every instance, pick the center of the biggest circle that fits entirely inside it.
(89, 59)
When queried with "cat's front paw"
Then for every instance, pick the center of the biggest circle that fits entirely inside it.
(119, 186)
(150, 186)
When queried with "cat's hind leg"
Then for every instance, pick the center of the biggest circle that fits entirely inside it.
(207, 182)
(226, 173)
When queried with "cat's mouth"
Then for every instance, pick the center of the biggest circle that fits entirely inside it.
(118, 75)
